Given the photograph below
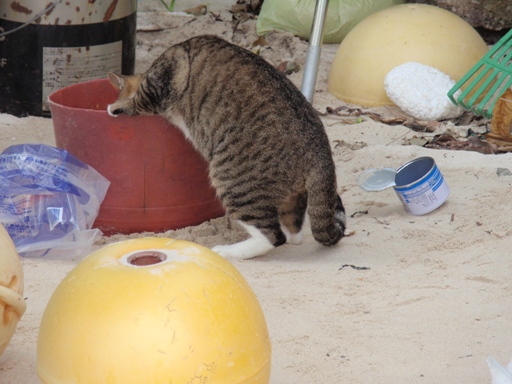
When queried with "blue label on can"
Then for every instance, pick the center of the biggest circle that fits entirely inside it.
(424, 195)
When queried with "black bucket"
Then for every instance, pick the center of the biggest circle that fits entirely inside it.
(47, 45)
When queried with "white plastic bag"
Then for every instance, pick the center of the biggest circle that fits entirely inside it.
(49, 200)
(500, 375)
(296, 16)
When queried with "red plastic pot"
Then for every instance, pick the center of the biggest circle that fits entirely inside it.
(158, 180)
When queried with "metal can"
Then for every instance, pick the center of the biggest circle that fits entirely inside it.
(45, 46)
(420, 186)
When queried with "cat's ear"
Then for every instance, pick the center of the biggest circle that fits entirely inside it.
(181, 75)
(118, 81)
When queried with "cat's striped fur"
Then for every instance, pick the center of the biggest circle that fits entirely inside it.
(269, 156)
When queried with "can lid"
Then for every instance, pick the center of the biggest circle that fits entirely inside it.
(377, 179)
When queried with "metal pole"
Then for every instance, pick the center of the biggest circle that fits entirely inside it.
(314, 50)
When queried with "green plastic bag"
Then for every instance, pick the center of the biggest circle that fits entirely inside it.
(296, 16)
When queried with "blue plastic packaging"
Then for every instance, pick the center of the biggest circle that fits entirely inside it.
(49, 199)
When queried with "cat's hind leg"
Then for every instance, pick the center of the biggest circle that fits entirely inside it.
(291, 216)
(256, 245)
(292, 238)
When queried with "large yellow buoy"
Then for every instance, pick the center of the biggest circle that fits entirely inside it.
(12, 304)
(153, 310)
(403, 33)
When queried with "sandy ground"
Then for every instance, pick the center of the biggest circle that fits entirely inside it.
(434, 298)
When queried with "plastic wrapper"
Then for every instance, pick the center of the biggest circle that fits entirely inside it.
(49, 200)
(296, 16)
(500, 374)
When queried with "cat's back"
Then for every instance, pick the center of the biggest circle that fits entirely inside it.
(226, 91)
(231, 74)
(211, 53)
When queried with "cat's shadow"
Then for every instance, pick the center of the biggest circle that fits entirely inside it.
(309, 252)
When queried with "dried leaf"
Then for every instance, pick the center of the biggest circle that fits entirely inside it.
(237, 8)
(478, 145)
(216, 16)
(423, 126)
(498, 140)
(353, 146)
(338, 111)
(419, 141)
(446, 141)
(288, 67)
(400, 118)
(386, 120)
(505, 148)
(246, 6)
(197, 10)
(489, 143)
(359, 213)
(469, 118)
(256, 5)
(502, 144)
(260, 41)
(432, 126)
(501, 122)
(444, 137)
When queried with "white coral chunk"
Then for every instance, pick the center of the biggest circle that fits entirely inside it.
(421, 91)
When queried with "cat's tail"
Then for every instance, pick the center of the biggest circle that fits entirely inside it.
(326, 213)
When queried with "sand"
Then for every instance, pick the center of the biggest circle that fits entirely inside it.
(433, 298)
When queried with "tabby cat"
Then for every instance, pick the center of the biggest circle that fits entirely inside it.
(269, 156)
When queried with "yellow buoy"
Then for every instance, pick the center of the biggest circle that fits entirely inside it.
(409, 32)
(153, 310)
(12, 304)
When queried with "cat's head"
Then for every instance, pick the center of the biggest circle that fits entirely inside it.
(127, 87)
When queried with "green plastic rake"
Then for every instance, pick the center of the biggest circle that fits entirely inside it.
(487, 80)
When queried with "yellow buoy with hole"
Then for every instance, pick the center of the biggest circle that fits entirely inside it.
(153, 310)
(409, 32)
(12, 304)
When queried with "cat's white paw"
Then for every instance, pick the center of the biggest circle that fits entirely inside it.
(349, 232)
(295, 238)
(225, 251)
(256, 245)
(244, 250)
(292, 238)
